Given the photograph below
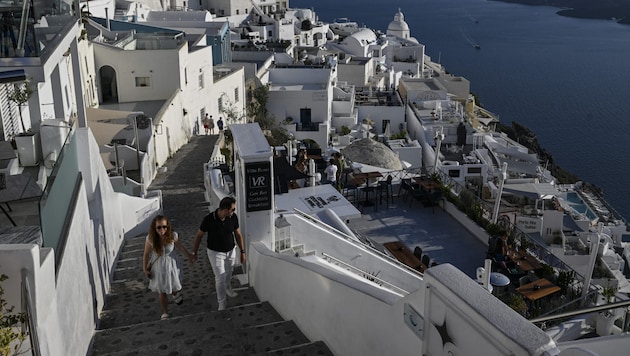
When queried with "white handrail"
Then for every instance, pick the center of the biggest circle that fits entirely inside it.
(363, 273)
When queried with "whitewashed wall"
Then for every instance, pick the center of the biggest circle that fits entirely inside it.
(161, 66)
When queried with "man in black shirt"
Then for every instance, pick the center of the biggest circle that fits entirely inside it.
(223, 229)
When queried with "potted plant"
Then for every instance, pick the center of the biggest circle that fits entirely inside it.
(606, 319)
(26, 142)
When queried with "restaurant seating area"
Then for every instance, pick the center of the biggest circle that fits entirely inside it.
(534, 287)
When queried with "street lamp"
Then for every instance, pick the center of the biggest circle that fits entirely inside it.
(497, 201)
(439, 137)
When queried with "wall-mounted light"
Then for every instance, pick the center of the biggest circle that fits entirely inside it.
(133, 71)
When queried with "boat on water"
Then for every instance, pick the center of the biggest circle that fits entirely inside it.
(360, 292)
(477, 46)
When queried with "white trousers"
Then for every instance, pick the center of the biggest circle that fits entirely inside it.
(222, 265)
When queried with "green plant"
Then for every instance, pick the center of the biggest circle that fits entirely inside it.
(564, 280)
(609, 293)
(545, 271)
(227, 153)
(517, 303)
(345, 130)
(20, 95)
(10, 338)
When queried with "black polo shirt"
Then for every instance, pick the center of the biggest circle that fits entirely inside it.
(220, 233)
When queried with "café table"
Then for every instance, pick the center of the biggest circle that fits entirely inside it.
(524, 261)
(427, 184)
(404, 255)
(499, 279)
(538, 289)
(18, 187)
(368, 188)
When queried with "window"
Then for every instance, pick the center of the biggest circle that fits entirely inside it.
(385, 123)
(220, 102)
(237, 12)
(185, 75)
(200, 78)
(474, 170)
(236, 94)
(454, 173)
(143, 81)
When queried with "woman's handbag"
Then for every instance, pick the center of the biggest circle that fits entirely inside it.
(151, 262)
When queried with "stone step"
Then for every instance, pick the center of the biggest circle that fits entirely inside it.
(143, 305)
(194, 326)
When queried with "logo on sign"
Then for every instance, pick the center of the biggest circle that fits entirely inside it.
(257, 181)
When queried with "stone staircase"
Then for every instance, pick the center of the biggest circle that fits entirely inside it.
(130, 321)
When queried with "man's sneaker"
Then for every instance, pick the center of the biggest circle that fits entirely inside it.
(231, 293)
(222, 306)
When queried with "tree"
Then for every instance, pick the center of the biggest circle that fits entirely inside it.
(230, 110)
(10, 339)
(258, 108)
(20, 95)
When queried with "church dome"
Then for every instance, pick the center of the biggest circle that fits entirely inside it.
(373, 153)
(399, 23)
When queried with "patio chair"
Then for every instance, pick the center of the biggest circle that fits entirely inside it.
(418, 252)
(385, 188)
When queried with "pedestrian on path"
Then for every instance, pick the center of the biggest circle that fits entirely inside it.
(208, 124)
(224, 234)
(220, 124)
(160, 262)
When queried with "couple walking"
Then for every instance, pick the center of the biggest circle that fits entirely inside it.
(161, 265)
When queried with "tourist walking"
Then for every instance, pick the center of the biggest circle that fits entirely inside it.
(331, 173)
(160, 262)
(220, 124)
(208, 124)
(223, 234)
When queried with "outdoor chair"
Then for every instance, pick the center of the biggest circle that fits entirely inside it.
(426, 260)
(418, 252)
(385, 188)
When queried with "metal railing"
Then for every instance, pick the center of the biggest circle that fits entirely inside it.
(28, 308)
(599, 308)
(365, 274)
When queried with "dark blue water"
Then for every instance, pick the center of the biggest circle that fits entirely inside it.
(566, 79)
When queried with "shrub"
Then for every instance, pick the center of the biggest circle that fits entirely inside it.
(10, 339)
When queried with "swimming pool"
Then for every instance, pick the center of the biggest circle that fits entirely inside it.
(578, 204)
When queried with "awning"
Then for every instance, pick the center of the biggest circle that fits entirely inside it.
(531, 190)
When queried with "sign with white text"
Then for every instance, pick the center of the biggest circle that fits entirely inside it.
(258, 188)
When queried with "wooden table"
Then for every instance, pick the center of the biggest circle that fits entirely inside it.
(427, 184)
(538, 289)
(524, 261)
(404, 255)
(368, 175)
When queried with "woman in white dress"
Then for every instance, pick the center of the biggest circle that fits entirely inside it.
(160, 262)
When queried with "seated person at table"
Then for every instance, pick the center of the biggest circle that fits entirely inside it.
(498, 251)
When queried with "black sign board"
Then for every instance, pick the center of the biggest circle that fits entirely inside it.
(259, 184)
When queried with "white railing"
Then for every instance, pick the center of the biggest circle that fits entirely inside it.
(365, 274)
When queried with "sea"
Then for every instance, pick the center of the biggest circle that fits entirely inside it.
(567, 79)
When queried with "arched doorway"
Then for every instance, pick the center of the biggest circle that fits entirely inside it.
(109, 87)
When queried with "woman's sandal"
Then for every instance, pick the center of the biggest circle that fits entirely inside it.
(178, 299)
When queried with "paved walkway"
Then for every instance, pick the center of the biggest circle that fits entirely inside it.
(130, 322)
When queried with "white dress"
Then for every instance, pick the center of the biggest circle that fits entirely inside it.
(166, 271)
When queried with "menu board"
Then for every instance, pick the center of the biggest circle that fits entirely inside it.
(259, 184)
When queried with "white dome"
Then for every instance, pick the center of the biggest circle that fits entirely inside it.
(373, 153)
(398, 27)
